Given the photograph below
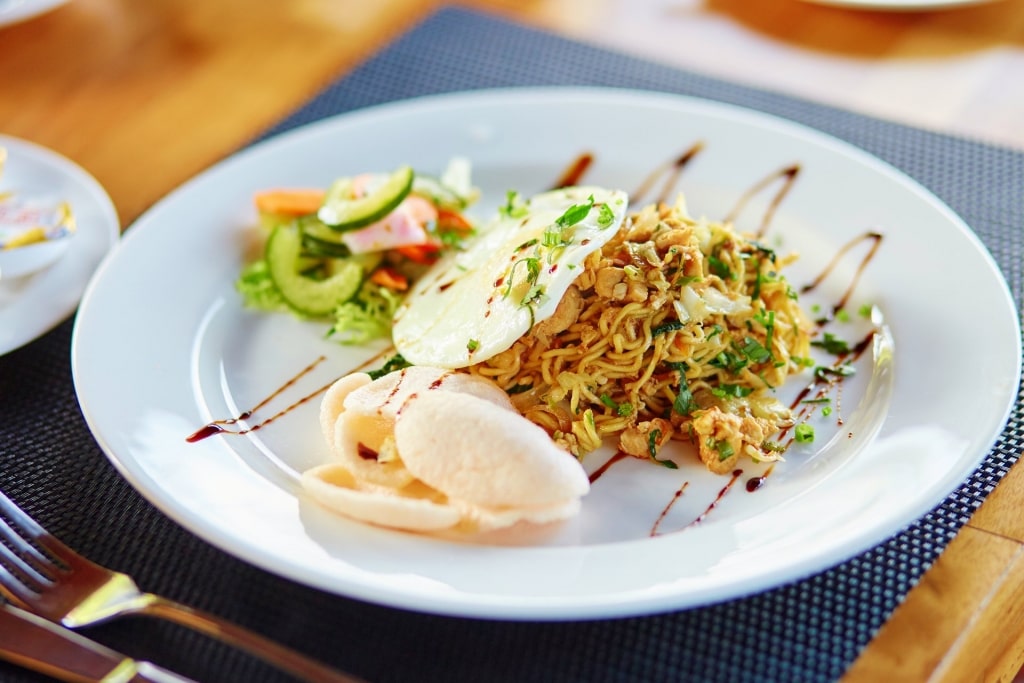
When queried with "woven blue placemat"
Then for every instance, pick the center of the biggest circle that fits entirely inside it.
(808, 631)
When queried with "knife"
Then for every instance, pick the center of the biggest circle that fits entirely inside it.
(49, 648)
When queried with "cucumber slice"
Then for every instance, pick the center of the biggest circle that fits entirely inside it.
(323, 249)
(342, 213)
(437, 192)
(314, 298)
(320, 240)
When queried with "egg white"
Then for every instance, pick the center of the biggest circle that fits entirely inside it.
(478, 302)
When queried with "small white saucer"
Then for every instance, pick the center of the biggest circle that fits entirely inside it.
(15, 11)
(33, 304)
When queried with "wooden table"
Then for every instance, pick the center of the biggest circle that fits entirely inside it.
(146, 94)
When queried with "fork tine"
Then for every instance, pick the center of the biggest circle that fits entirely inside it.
(21, 552)
(22, 566)
(19, 517)
(26, 527)
(16, 587)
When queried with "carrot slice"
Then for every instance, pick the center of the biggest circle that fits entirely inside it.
(454, 221)
(289, 202)
(390, 278)
(420, 253)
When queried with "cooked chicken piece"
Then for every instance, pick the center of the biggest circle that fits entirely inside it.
(637, 440)
(722, 437)
(608, 278)
(566, 313)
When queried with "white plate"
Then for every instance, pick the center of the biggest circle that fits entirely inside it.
(191, 354)
(14, 11)
(32, 305)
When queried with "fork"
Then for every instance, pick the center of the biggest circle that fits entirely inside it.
(42, 575)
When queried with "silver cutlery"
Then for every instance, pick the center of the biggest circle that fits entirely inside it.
(42, 575)
(51, 649)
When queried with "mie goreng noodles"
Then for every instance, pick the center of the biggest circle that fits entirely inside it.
(675, 329)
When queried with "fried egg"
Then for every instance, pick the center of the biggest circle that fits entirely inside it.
(476, 303)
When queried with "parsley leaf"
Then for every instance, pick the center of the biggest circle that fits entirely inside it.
(664, 328)
(621, 409)
(720, 268)
(685, 402)
(575, 213)
(727, 360)
(832, 344)
(652, 450)
(396, 362)
(767, 251)
(754, 351)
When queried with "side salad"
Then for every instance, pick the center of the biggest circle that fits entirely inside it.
(347, 253)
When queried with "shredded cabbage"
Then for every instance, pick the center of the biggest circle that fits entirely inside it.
(365, 316)
(258, 289)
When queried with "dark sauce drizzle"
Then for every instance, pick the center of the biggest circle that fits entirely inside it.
(668, 506)
(736, 474)
(788, 176)
(875, 239)
(619, 456)
(574, 172)
(671, 172)
(825, 382)
(754, 483)
(222, 426)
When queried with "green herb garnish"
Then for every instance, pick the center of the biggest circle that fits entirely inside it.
(575, 213)
(720, 268)
(514, 206)
(804, 433)
(731, 390)
(754, 351)
(724, 448)
(844, 370)
(832, 344)
(621, 409)
(684, 403)
(396, 362)
(652, 450)
(729, 361)
(665, 328)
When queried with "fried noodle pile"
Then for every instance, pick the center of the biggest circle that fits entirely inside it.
(676, 329)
